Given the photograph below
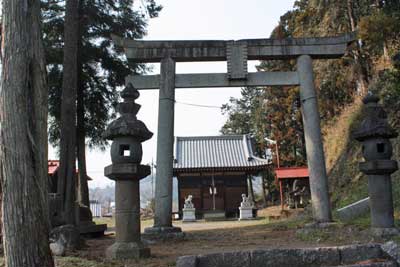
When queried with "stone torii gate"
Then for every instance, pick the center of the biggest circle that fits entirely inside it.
(236, 53)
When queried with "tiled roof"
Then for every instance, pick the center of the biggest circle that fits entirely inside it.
(216, 153)
(52, 167)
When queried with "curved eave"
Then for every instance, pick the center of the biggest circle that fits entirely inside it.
(221, 169)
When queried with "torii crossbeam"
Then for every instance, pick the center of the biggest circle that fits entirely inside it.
(236, 53)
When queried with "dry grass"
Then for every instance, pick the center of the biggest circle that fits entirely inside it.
(211, 237)
(338, 133)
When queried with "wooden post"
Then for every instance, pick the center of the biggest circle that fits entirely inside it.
(281, 194)
(213, 190)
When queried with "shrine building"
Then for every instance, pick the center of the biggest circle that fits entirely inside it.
(214, 170)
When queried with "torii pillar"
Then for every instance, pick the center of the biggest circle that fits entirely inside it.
(165, 150)
(314, 147)
(236, 53)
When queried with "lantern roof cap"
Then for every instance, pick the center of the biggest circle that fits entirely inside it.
(127, 125)
(130, 92)
(374, 123)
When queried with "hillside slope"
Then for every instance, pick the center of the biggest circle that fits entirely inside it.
(347, 183)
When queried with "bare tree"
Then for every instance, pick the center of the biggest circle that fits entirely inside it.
(23, 137)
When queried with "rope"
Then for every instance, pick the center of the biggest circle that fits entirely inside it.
(190, 104)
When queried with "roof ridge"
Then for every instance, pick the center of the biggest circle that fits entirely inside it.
(229, 136)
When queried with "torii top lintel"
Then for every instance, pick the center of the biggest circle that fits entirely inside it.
(257, 49)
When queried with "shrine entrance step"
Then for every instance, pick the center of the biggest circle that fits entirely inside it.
(215, 215)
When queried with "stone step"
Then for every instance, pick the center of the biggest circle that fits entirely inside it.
(350, 256)
(214, 216)
(371, 264)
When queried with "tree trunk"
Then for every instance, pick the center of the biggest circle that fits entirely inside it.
(83, 190)
(361, 69)
(350, 13)
(264, 196)
(1, 202)
(67, 171)
(23, 142)
(250, 184)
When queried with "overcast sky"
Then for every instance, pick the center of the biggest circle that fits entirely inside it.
(191, 20)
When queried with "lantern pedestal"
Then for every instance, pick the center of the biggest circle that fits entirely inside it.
(380, 193)
(128, 243)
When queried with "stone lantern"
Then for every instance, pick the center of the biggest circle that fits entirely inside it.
(374, 134)
(127, 134)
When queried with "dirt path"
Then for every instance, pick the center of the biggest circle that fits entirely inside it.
(210, 237)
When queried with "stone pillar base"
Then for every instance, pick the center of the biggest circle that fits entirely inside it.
(384, 232)
(246, 214)
(157, 233)
(127, 250)
(189, 215)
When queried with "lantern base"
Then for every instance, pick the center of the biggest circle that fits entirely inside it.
(127, 250)
(156, 233)
(385, 232)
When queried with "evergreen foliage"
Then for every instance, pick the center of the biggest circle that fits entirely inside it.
(245, 115)
(103, 66)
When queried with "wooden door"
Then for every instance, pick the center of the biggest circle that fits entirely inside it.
(234, 197)
(208, 192)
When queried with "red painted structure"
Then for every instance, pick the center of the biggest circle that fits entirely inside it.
(283, 173)
(52, 167)
(52, 173)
